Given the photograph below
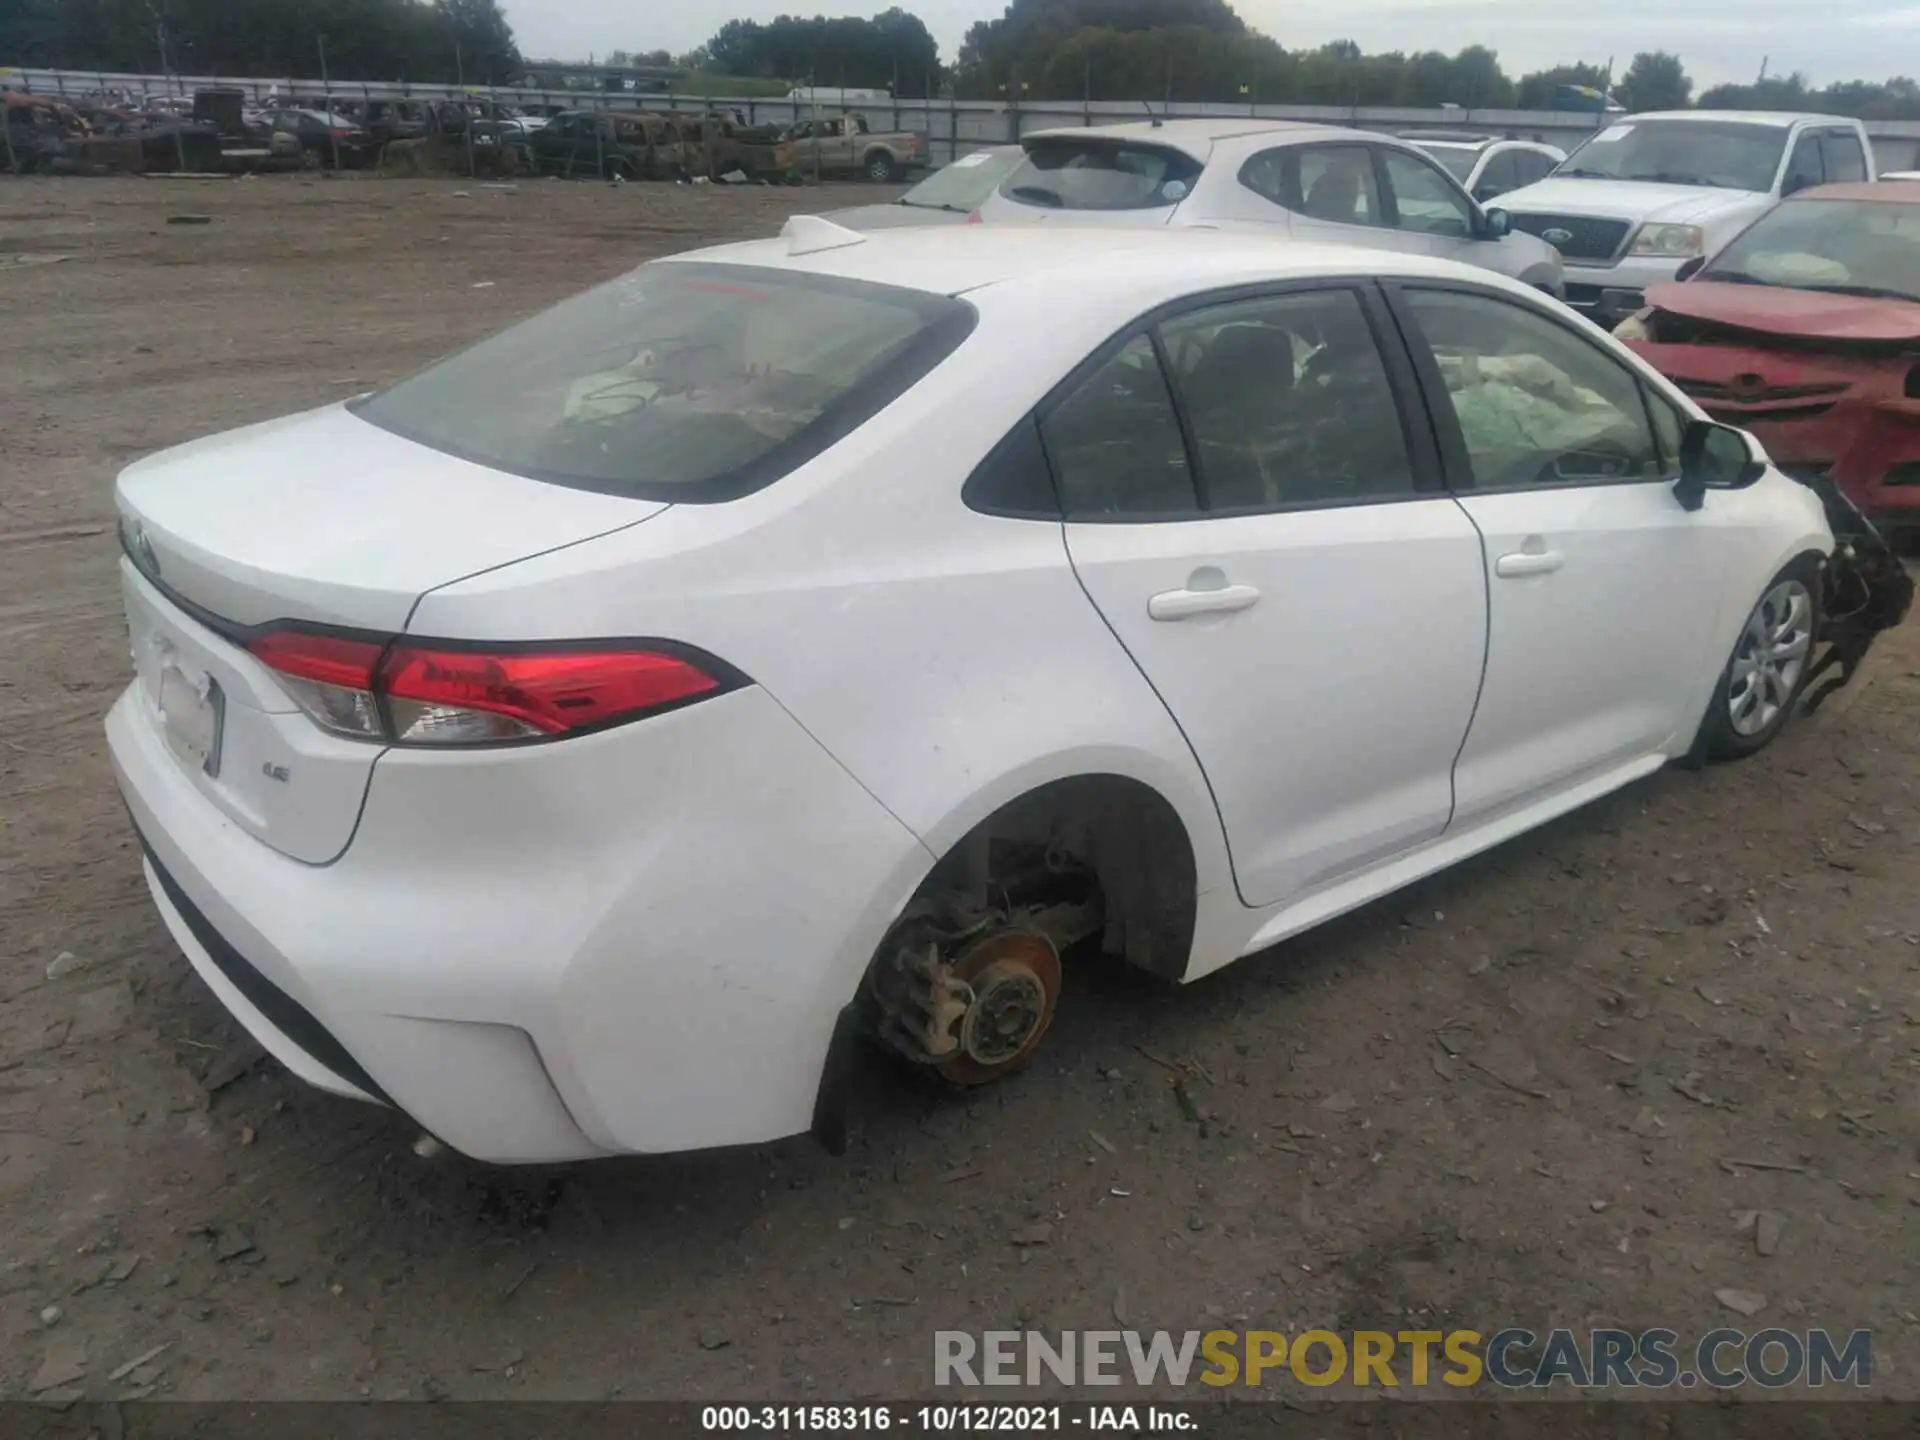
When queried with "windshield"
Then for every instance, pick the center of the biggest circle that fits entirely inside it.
(1849, 247)
(1727, 155)
(1074, 174)
(1458, 159)
(678, 381)
(966, 182)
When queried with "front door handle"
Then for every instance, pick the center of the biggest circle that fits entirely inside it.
(1528, 562)
(1180, 604)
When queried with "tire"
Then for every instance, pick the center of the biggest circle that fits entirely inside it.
(880, 167)
(1752, 702)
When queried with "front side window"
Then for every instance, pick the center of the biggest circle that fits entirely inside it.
(1531, 165)
(1068, 173)
(1289, 403)
(1536, 403)
(1114, 442)
(1424, 202)
(679, 381)
(1805, 169)
(1723, 154)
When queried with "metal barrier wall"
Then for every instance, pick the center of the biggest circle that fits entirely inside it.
(952, 126)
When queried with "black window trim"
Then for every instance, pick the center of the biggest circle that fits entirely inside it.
(1456, 463)
(1424, 454)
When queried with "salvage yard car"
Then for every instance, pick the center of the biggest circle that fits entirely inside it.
(848, 145)
(1485, 165)
(1805, 330)
(1651, 192)
(949, 196)
(581, 744)
(1270, 177)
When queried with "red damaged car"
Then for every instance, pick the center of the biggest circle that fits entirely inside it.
(1805, 330)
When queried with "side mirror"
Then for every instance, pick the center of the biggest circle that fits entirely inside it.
(1715, 457)
(1691, 268)
(1499, 224)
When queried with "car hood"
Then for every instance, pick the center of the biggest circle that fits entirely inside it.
(1804, 314)
(1625, 200)
(894, 217)
(327, 518)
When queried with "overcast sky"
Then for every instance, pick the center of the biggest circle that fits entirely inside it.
(1718, 39)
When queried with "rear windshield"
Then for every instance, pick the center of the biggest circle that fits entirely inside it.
(680, 382)
(1074, 174)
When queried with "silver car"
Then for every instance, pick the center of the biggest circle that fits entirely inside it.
(1310, 182)
(946, 197)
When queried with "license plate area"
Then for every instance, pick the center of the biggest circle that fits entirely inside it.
(190, 707)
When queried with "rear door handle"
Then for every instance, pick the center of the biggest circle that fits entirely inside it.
(1180, 604)
(1528, 562)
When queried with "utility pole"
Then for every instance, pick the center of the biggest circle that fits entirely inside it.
(466, 110)
(160, 36)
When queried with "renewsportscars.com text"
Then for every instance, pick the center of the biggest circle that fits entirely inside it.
(1512, 1358)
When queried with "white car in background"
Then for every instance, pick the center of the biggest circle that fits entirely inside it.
(580, 744)
(1486, 166)
(1650, 194)
(1267, 177)
(949, 196)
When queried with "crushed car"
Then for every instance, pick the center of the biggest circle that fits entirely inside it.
(1805, 331)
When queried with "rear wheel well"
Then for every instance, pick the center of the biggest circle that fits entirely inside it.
(1124, 832)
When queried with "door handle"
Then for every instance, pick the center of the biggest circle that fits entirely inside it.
(1179, 604)
(1528, 562)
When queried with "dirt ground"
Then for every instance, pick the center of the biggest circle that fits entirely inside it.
(1508, 1096)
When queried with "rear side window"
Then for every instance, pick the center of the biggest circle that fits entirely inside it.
(1335, 183)
(1289, 403)
(1115, 442)
(1846, 158)
(681, 382)
(1073, 174)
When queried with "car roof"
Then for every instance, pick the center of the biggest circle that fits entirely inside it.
(1781, 118)
(956, 259)
(1195, 137)
(1883, 192)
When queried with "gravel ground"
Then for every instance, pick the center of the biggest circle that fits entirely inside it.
(1512, 1095)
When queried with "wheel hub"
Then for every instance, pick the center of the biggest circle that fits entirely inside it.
(977, 1015)
(1771, 656)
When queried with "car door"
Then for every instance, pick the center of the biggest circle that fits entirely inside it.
(1603, 590)
(1427, 205)
(1498, 173)
(1257, 514)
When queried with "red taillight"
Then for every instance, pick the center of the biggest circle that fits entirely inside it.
(548, 692)
(973, 218)
(456, 695)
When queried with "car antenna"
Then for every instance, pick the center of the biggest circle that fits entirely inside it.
(1157, 121)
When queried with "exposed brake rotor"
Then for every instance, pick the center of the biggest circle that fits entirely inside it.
(974, 1013)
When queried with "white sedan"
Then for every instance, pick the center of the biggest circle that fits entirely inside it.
(581, 744)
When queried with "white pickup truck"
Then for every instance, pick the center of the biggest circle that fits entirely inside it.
(1649, 193)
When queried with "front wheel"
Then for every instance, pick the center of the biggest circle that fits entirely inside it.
(1757, 689)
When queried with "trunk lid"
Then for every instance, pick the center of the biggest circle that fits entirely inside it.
(321, 518)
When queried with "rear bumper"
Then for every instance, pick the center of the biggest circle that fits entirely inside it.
(637, 941)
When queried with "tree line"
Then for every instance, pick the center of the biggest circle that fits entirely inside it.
(1149, 50)
(431, 41)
